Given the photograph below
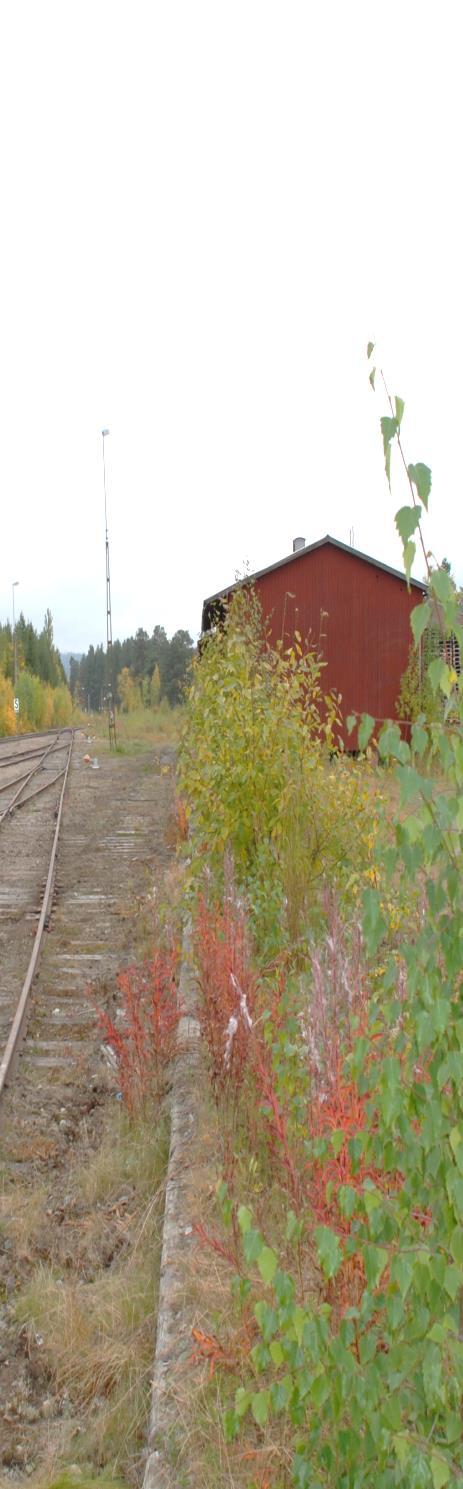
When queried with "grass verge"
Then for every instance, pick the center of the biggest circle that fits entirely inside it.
(90, 1305)
(139, 730)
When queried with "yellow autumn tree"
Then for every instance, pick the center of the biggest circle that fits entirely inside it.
(128, 691)
(7, 715)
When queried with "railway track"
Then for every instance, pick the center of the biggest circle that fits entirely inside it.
(72, 909)
(21, 767)
(28, 850)
(114, 849)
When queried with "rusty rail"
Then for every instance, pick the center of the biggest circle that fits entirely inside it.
(17, 1027)
(22, 781)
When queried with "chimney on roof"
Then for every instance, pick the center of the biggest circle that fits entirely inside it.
(298, 543)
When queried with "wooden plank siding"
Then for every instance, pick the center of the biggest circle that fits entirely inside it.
(359, 612)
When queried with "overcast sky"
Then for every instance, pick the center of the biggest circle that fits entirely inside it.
(207, 211)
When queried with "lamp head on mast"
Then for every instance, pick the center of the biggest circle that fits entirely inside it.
(109, 627)
(104, 432)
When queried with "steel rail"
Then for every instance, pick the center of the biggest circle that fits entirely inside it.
(38, 791)
(17, 755)
(8, 784)
(26, 778)
(40, 733)
(17, 1027)
(6, 760)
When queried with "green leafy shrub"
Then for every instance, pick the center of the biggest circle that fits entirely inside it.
(260, 776)
(416, 697)
(370, 1380)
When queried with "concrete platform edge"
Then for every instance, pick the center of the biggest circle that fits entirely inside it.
(173, 1334)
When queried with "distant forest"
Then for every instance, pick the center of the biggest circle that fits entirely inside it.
(35, 650)
(40, 697)
(144, 670)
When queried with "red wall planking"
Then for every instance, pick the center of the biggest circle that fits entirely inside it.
(364, 635)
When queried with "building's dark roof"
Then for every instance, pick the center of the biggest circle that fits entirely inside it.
(300, 552)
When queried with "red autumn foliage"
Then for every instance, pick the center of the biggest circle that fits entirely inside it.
(276, 1119)
(227, 990)
(143, 1038)
(334, 1015)
(229, 1253)
(229, 1354)
(342, 1111)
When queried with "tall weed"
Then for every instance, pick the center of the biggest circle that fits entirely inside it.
(142, 1035)
(261, 778)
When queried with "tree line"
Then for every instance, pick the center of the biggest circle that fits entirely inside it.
(141, 671)
(35, 651)
(40, 689)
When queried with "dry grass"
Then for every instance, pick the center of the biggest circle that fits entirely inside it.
(99, 1332)
(127, 1154)
(143, 728)
(72, 1478)
(23, 1220)
(198, 1447)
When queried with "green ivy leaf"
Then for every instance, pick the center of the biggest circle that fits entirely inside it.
(376, 1259)
(260, 1403)
(242, 1401)
(244, 1219)
(442, 586)
(389, 428)
(402, 1273)
(371, 378)
(440, 676)
(401, 1448)
(419, 739)
(391, 744)
(374, 924)
(267, 1264)
(407, 521)
(440, 1471)
(348, 1200)
(454, 1186)
(351, 722)
(456, 1244)
(365, 730)
(329, 1250)
(280, 1394)
(252, 1244)
(370, 348)
(338, 1138)
(432, 1375)
(453, 1281)
(409, 557)
(298, 1322)
(420, 618)
(387, 464)
(399, 410)
(421, 477)
(456, 1144)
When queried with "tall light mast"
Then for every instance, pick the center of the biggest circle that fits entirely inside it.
(109, 624)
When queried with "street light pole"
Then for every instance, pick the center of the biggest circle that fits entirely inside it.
(15, 651)
(109, 624)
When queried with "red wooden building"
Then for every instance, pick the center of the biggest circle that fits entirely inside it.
(355, 608)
